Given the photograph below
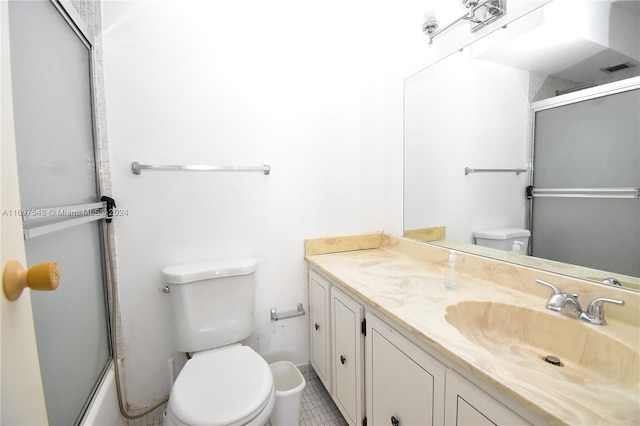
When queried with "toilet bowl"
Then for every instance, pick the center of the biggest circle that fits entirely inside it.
(226, 386)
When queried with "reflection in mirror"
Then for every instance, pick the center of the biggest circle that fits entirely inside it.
(586, 175)
(473, 109)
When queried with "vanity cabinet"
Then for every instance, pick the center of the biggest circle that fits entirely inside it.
(405, 386)
(467, 405)
(347, 362)
(320, 344)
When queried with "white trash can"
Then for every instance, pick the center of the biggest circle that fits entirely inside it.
(289, 384)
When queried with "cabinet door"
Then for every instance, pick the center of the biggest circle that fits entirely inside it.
(467, 405)
(346, 319)
(319, 303)
(405, 386)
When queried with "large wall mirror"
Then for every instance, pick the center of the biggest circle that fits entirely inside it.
(471, 123)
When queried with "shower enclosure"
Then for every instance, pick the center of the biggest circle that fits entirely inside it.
(51, 59)
(586, 175)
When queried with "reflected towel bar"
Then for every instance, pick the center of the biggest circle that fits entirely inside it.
(468, 170)
(585, 192)
(137, 168)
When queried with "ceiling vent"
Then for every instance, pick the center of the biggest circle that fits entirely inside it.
(619, 67)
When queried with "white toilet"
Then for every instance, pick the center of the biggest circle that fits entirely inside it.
(212, 310)
(503, 238)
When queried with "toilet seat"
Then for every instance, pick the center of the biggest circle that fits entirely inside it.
(226, 386)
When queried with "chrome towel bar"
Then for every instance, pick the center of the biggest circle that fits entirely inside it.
(468, 170)
(137, 168)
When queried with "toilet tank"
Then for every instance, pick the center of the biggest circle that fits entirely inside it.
(503, 238)
(212, 303)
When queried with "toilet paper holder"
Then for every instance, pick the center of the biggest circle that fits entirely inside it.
(288, 314)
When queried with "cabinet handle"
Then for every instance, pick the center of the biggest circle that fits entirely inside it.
(342, 359)
(317, 326)
(394, 421)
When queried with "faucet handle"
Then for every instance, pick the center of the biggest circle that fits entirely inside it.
(555, 289)
(595, 311)
(557, 299)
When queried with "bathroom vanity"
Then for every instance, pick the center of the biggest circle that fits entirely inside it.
(393, 346)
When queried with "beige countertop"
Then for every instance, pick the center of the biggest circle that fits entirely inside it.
(404, 281)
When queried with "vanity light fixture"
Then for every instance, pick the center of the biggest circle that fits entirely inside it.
(480, 14)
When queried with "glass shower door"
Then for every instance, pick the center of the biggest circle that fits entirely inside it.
(586, 209)
(51, 66)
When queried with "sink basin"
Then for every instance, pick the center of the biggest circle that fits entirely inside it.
(589, 356)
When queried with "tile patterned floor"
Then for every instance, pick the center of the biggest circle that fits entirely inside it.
(317, 406)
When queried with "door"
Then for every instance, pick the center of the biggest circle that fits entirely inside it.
(319, 288)
(404, 385)
(586, 175)
(346, 320)
(21, 394)
(51, 61)
(466, 405)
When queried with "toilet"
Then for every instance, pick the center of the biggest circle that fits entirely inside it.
(212, 311)
(503, 238)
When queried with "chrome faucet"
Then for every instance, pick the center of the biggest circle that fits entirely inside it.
(568, 304)
(612, 281)
(571, 307)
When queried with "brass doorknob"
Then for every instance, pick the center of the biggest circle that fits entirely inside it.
(44, 276)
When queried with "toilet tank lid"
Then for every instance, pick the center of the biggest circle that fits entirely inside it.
(503, 233)
(190, 272)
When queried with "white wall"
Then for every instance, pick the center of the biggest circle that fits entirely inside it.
(313, 90)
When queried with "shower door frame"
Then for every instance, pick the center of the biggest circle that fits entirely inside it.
(607, 89)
